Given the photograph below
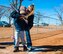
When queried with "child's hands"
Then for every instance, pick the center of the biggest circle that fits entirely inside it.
(21, 17)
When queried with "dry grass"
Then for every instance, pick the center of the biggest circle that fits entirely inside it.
(57, 52)
(40, 36)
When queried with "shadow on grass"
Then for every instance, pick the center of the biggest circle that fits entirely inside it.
(2, 47)
(45, 48)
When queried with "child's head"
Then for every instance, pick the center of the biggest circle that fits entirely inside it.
(22, 10)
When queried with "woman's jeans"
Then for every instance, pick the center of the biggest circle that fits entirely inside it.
(28, 39)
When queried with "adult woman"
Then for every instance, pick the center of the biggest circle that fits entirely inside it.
(30, 18)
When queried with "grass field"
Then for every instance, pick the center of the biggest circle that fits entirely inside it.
(47, 36)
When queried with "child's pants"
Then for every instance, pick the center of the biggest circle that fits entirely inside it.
(19, 35)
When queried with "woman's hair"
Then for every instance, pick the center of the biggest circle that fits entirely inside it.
(32, 5)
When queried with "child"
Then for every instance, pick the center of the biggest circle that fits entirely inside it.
(19, 28)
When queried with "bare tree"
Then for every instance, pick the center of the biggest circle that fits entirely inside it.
(2, 13)
(5, 11)
(59, 13)
(7, 14)
(38, 17)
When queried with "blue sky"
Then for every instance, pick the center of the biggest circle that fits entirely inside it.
(39, 4)
(44, 6)
(47, 4)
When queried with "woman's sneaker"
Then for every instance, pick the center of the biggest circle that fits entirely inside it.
(29, 48)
